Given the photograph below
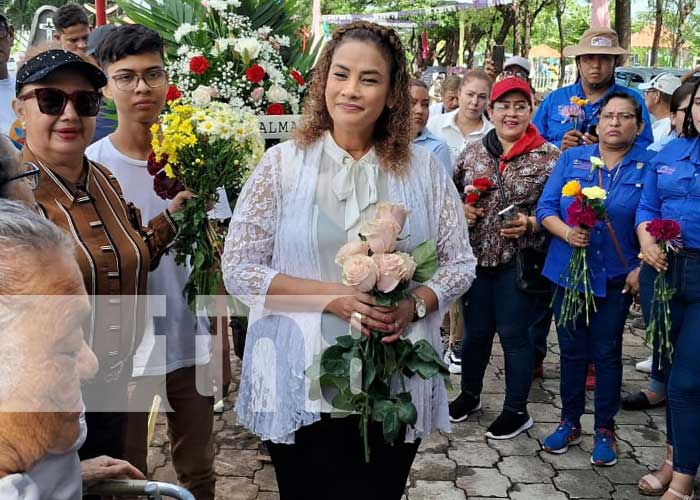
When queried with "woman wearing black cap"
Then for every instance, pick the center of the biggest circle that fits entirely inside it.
(57, 99)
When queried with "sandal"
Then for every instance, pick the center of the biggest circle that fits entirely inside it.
(680, 495)
(657, 487)
(640, 401)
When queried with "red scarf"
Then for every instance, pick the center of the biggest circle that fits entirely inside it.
(529, 141)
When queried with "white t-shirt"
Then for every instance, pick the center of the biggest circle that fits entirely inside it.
(661, 128)
(7, 93)
(187, 337)
(445, 128)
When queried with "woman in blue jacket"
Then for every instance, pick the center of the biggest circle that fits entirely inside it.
(672, 191)
(613, 265)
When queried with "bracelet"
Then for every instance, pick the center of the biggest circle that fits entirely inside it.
(568, 233)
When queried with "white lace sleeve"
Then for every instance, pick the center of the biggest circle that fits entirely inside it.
(251, 234)
(457, 262)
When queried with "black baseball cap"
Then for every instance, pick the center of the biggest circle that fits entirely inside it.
(97, 36)
(42, 65)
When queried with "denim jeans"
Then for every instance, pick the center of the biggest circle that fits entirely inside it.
(601, 341)
(495, 304)
(683, 389)
(540, 325)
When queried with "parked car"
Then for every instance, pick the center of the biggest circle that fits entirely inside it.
(633, 76)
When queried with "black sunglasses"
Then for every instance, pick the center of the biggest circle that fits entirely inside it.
(53, 101)
(33, 173)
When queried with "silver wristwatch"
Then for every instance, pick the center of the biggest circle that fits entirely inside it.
(420, 308)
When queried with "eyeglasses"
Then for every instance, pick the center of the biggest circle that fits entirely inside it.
(623, 117)
(4, 32)
(130, 80)
(682, 110)
(53, 101)
(504, 107)
(517, 74)
(31, 175)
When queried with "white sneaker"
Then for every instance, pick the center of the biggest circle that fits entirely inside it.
(645, 366)
(455, 368)
(448, 355)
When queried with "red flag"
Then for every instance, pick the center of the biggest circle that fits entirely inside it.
(424, 41)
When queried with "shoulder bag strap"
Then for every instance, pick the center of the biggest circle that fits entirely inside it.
(613, 236)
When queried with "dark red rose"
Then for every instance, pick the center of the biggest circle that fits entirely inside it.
(173, 93)
(664, 229)
(166, 187)
(198, 65)
(155, 166)
(275, 109)
(581, 215)
(255, 73)
(482, 184)
(472, 198)
(297, 77)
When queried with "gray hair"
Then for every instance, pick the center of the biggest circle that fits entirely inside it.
(24, 231)
(10, 160)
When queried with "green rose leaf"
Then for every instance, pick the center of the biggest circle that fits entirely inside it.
(392, 425)
(380, 409)
(407, 413)
(426, 258)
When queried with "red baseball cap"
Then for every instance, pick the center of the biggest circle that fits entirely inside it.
(510, 84)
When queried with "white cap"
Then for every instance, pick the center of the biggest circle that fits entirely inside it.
(665, 83)
(518, 61)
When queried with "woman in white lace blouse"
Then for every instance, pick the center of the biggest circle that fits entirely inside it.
(306, 199)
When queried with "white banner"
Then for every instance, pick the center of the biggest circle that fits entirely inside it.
(278, 126)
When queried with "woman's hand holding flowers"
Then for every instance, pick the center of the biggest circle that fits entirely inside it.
(359, 310)
(178, 203)
(577, 237)
(653, 255)
(472, 213)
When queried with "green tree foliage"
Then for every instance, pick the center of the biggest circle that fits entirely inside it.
(21, 12)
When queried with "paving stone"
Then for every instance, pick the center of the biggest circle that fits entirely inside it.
(469, 430)
(160, 435)
(535, 491)
(628, 492)
(583, 484)
(240, 463)
(638, 435)
(435, 443)
(265, 478)
(156, 458)
(165, 474)
(431, 490)
(539, 395)
(651, 456)
(236, 488)
(575, 458)
(631, 417)
(268, 495)
(237, 438)
(483, 482)
(543, 412)
(526, 469)
(521, 445)
(473, 454)
(625, 471)
(434, 467)
(630, 373)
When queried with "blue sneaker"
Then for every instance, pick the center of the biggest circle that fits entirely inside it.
(567, 434)
(604, 448)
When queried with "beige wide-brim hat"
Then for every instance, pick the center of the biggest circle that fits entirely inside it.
(596, 41)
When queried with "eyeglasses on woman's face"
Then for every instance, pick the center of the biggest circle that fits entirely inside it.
(53, 101)
(30, 175)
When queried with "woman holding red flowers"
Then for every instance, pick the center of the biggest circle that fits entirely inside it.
(615, 167)
(672, 192)
(517, 154)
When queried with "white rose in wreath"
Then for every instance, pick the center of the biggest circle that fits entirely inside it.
(201, 97)
(277, 94)
(249, 45)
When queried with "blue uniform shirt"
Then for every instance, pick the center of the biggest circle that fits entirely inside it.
(437, 147)
(624, 186)
(549, 122)
(672, 189)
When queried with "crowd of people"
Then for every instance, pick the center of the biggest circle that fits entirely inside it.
(72, 208)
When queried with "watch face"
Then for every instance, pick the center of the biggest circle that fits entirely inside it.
(420, 309)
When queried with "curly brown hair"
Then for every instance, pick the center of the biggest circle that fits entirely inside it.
(392, 132)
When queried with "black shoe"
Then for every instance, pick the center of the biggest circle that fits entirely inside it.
(639, 401)
(463, 406)
(508, 425)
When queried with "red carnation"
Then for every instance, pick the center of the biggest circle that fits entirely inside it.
(173, 93)
(472, 198)
(255, 73)
(275, 109)
(664, 229)
(297, 77)
(581, 215)
(198, 65)
(483, 184)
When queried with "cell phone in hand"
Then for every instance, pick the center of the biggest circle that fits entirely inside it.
(592, 130)
(498, 57)
(508, 214)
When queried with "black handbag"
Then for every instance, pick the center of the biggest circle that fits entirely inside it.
(529, 262)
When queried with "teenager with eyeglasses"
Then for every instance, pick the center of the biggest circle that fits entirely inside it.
(58, 97)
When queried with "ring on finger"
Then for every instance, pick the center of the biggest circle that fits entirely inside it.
(356, 319)
(396, 325)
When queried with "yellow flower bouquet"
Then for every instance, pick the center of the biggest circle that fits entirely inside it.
(203, 148)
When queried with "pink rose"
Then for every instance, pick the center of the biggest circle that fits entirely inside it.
(360, 271)
(389, 267)
(257, 94)
(408, 268)
(381, 234)
(395, 211)
(351, 248)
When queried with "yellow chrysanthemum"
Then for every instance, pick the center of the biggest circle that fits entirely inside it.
(169, 171)
(594, 193)
(571, 188)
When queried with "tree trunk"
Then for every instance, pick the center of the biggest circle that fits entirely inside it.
(657, 33)
(517, 8)
(508, 17)
(684, 10)
(561, 6)
(623, 22)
